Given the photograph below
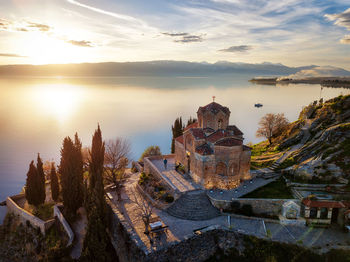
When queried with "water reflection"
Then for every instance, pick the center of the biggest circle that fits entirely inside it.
(37, 113)
(59, 100)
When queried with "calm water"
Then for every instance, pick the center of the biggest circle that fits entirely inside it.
(37, 113)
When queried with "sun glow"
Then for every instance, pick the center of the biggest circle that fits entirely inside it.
(60, 101)
(45, 49)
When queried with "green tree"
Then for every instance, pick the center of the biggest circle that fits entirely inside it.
(40, 180)
(191, 121)
(55, 189)
(96, 238)
(151, 151)
(177, 130)
(71, 176)
(31, 192)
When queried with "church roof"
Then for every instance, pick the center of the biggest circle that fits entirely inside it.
(193, 125)
(235, 130)
(204, 149)
(218, 134)
(214, 108)
(180, 139)
(229, 141)
(197, 133)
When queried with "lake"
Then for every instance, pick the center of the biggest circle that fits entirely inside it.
(37, 113)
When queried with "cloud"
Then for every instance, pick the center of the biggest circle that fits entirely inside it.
(189, 39)
(237, 48)
(40, 27)
(11, 55)
(101, 11)
(175, 34)
(184, 37)
(82, 43)
(345, 40)
(341, 19)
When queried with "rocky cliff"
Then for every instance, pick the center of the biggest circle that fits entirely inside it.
(318, 142)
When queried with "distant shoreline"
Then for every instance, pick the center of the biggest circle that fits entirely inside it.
(337, 82)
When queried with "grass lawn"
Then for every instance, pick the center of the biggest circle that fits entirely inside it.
(277, 189)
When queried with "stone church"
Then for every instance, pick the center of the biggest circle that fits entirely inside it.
(212, 150)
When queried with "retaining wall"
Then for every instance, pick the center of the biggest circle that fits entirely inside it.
(150, 168)
(269, 207)
(25, 216)
(57, 213)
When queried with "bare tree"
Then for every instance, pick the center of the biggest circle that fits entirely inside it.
(271, 125)
(144, 207)
(116, 160)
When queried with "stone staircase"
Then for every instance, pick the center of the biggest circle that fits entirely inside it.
(193, 205)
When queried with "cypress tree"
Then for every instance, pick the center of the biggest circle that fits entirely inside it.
(31, 192)
(71, 174)
(55, 189)
(96, 238)
(177, 130)
(79, 170)
(40, 180)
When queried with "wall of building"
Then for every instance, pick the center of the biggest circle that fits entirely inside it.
(25, 216)
(209, 119)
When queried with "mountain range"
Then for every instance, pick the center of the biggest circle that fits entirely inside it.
(150, 68)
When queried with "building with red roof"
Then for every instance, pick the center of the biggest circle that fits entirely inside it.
(212, 151)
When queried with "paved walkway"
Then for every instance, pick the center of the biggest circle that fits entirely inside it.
(173, 177)
(243, 189)
(180, 229)
(79, 228)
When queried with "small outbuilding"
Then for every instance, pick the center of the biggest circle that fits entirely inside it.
(291, 210)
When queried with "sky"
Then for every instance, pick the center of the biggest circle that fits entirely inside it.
(291, 32)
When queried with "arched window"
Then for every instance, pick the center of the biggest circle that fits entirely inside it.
(220, 124)
(221, 169)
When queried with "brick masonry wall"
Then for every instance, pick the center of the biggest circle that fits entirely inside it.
(25, 216)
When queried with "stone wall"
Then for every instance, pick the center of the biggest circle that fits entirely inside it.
(149, 168)
(195, 248)
(57, 213)
(25, 216)
(267, 207)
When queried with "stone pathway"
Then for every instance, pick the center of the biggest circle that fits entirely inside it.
(79, 228)
(243, 189)
(172, 176)
(193, 205)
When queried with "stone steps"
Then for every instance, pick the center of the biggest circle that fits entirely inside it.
(193, 205)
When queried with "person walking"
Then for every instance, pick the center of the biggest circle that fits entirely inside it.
(165, 161)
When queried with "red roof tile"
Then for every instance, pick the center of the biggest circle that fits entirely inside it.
(235, 130)
(197, 133)
(319, 203)
(214, 108)
(180, 139)
(218, 134)
(229, 141)
(193, 125)
(204, 149)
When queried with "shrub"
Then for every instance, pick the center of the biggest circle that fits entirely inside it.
(169, 198)
(235, 205)
(246, 210)
(143, 178)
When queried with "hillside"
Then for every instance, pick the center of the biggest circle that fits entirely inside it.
(149, 68)
(315, 147)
